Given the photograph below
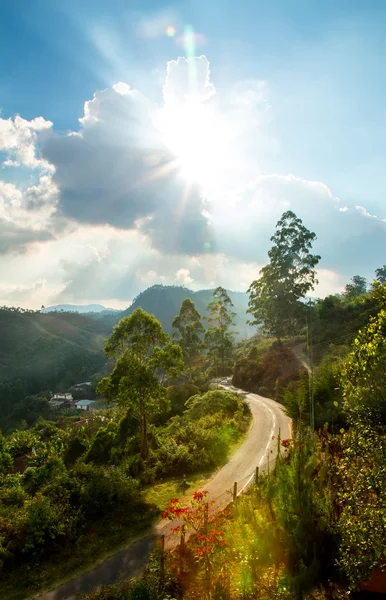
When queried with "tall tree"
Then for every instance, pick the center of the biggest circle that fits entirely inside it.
(380, 275)
(189, 331)
(145, 356)
(357, 287)
(219, 338)
(274, 300)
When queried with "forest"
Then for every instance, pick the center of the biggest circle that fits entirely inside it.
(312, 527)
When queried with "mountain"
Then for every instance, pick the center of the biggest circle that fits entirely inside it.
(164, 302)
(49, 351)
(80, 308)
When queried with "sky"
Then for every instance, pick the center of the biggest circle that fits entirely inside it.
(147, 142)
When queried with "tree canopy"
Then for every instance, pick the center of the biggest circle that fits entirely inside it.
(219, 337)
(189, 331)
(357, 287)
(274, 300)
(145, 356)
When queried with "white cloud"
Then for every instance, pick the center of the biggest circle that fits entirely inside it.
(114, 216)
(364, 212)
(26, 214)
(183, 276)
(18, 138)
(330, 282)
(188, 79)
(11, 163)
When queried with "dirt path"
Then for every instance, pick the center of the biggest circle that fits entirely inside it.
(258, 449)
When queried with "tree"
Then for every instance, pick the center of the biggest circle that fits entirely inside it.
(381, 274)
(362, 496)
(219, 339)
(357, 287)
(145, 358)
(188, 329)
(363, 373)
(274, 300)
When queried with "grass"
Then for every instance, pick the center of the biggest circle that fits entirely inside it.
(161, 493)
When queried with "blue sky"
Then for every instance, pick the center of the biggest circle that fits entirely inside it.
(316, 73)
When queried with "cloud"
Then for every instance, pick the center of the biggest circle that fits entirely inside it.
(18, 138)
(20, 293)
(116, 170)
(187, 79)
(109, 211)
(26, 215)
(183, 276)
(364, 212)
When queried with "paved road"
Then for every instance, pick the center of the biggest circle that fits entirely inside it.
(259, 446)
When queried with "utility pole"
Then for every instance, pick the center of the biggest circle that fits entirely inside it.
(311, 363)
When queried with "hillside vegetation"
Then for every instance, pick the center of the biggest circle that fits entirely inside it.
(164, 303)
(86, 479)
(45, 352)
(314, 526)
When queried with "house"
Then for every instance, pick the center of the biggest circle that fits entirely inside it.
(85, 404)
(62, 396)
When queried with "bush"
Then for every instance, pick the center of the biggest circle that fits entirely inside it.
(178, 395)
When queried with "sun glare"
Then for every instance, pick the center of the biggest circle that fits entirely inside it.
(193, 133)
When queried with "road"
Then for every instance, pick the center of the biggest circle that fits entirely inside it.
(258, 448)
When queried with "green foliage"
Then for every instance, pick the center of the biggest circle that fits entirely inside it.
(363, 374)
(380, 275)
(216, 401)
(274, 300)
(178, 395)
(188, 330)
(219, 337)
(357, 287)
(164, 302)
(269, 374)
(5, 457)
(22, 442)
(361, 502)
(201, 438)
(336, 321)
(145, 357)
(305, 513)
(41, 352)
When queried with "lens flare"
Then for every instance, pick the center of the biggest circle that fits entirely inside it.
(170, 31)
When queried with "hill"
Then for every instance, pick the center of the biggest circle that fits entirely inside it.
(46, 352)
(80, 308)
(164, 302)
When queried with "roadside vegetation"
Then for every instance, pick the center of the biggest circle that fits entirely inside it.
(73, 489)
(314, 528)
(88, 482)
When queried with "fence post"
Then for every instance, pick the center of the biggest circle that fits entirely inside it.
(234, 491)
(257, 476)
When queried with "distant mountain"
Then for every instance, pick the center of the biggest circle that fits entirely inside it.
(80, 308)
(164, 302)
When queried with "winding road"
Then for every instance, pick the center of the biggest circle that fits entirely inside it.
(258, 449)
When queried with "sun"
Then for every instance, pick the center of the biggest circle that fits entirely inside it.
(195, 136)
